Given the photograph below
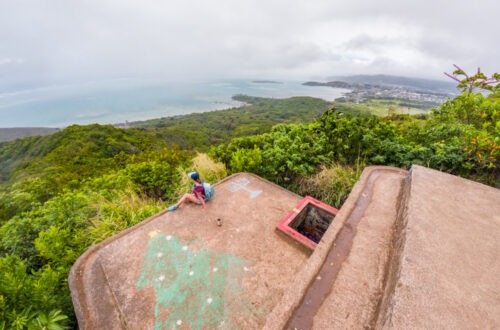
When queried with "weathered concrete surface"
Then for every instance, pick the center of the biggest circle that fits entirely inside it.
(341, 283)
(360, 279)
(447, 269)
(415, 250)
(179, 269)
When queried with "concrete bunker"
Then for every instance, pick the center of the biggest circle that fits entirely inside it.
(240, 276)
(308, 221)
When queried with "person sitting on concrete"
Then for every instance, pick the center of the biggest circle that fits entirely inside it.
(200, 193)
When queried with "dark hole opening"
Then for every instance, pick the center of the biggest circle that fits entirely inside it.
(312, 222)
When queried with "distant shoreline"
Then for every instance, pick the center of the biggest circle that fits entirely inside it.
(266, 82)
(110, 104)
(119, 106)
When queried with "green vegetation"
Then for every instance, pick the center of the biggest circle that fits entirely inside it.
(461, 136)
(62, 193)
(201, 130)
(386, 106)
(9, 134)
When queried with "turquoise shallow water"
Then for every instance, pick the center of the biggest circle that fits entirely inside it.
(127, 100)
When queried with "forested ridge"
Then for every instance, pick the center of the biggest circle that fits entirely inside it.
(62, 193)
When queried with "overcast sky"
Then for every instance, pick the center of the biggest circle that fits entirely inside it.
(63, 41)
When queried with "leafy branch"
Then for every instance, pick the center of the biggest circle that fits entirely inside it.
(479, 80)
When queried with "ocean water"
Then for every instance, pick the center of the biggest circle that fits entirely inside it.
(118, 101)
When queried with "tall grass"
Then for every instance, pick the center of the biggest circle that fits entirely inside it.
(209, 170)
(332, 185)
(114, 216)
(128, 208)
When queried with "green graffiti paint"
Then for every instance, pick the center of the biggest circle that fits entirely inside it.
(192, 284)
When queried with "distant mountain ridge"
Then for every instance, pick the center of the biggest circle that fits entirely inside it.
(366, 87)
(393, 81)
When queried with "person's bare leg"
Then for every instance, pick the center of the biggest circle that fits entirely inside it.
(187, 198)
(184, 199)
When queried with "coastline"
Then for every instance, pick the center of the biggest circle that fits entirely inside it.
(111, 105)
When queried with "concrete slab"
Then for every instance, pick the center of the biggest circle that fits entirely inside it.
(341, 284)
(180, 270)
(415, 249)
(445, 273)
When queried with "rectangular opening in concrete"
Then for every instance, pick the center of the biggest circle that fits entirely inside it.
(308, 221)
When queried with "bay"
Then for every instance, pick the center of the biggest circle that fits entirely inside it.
(119, 101)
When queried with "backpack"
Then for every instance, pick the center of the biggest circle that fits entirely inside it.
(209, 190)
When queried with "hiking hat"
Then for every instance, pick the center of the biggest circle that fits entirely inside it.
(194, 175)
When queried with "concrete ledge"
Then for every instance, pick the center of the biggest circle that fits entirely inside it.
(92, 299)
(424, 255)
(354, 208)
(396, 247)
(446, 265)
(354, 298)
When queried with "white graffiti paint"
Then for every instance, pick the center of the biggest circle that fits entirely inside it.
(241, 184)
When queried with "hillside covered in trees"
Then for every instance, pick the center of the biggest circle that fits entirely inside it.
(62, 193)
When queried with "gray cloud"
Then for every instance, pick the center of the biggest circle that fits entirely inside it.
(54, 41)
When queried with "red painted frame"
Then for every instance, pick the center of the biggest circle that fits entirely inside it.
(284, 227)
